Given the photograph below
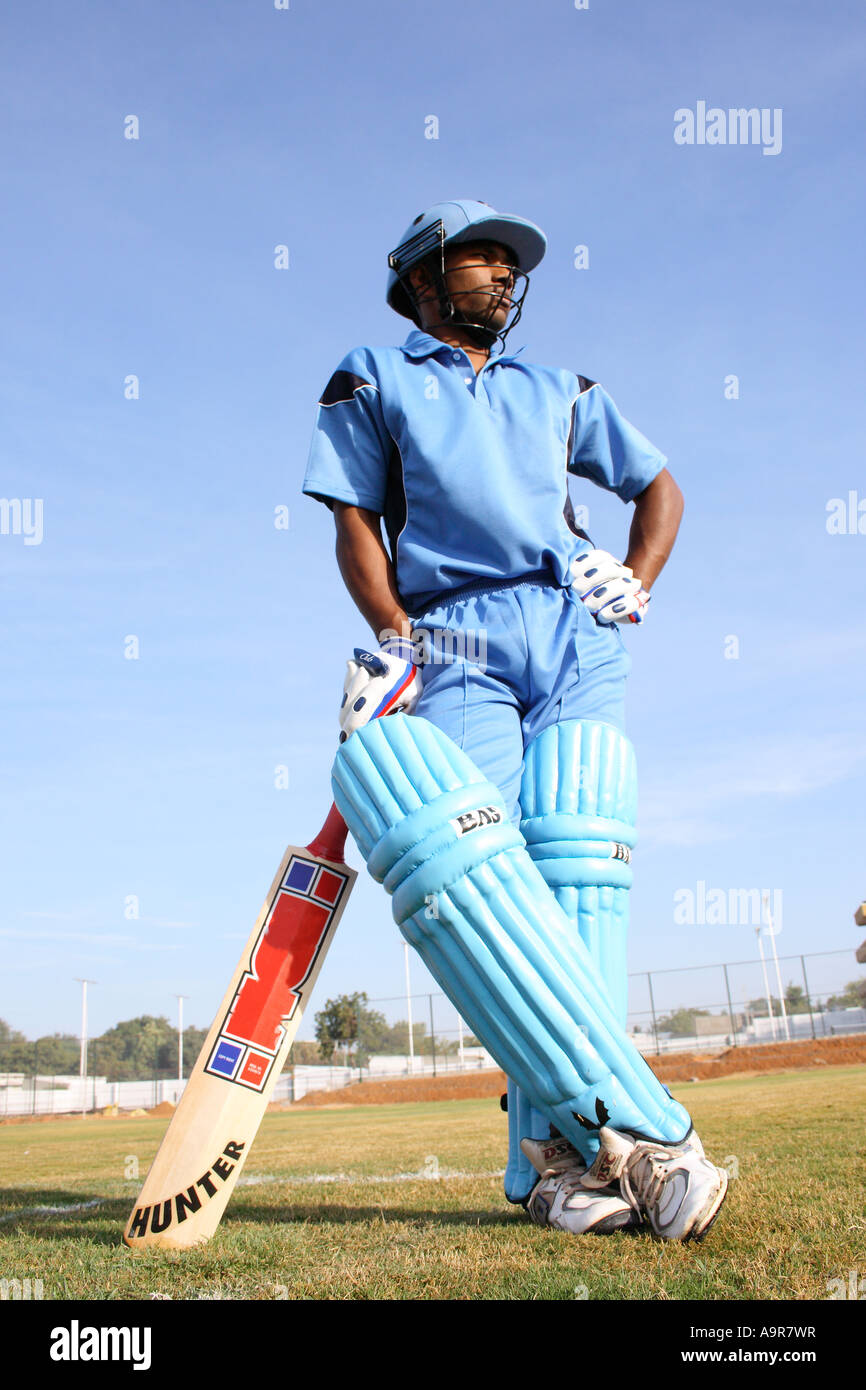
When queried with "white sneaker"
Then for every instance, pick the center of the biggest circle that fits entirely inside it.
(572, 1197)
(675, 1187)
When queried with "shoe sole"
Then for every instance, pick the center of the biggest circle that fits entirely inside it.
(617, 1221)
(701, 1223)
(624, 1221)
(608, 1226)
(702, 1226)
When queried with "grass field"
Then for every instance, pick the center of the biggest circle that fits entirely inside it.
(347, 1204)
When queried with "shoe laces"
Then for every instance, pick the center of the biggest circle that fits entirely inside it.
(570, 1181)
(644, 1176)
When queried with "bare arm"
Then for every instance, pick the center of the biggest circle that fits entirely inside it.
(367, 570)
(657, 513)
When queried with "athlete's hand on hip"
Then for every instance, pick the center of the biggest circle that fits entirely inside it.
(608, 588)
(379, 683)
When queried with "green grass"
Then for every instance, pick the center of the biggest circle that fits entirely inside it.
(792, 1221)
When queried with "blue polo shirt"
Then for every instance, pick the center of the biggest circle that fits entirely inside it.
(469, 472)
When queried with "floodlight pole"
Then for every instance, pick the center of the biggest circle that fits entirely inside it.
(766, 983)
(82, 1060)
(180, 998)
(772, 931)
(409, 1010)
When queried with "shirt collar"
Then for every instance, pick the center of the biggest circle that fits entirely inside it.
(419, 345)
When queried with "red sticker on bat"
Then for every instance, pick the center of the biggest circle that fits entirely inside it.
(281, 961)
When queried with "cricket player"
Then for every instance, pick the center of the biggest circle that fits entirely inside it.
(498, 807)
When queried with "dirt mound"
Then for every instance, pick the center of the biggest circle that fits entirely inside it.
(681, 1066)
(165, 1107)
(50, 1116)
(754, 1061)
(460, 1086)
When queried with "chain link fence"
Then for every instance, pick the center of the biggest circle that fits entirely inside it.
(747, 1003)
(694, 1008)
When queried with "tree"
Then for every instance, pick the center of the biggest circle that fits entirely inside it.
(795, 1000)
(396, 1038)
(193, 1042)
(680, 1022)
(57, 1054)
(9, 1034)
(347, 1020)
(348, 1023)
(138, 1048)
(758, 1007)
(134, 1050)
(54, 1055)
(14, 1054)
(852, 997)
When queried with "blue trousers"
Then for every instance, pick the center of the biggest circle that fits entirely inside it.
(505, 662)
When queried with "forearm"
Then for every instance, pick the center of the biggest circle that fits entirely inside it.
(367, 570)
(657, 514)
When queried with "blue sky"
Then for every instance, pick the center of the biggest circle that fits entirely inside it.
(154, 778)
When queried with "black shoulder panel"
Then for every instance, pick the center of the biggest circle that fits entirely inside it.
(396, 509)
(571, 520)
(584, 384)
(342, 387)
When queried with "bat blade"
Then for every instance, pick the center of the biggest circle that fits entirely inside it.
(208, 1140)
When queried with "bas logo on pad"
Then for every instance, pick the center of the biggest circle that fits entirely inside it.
(280, 963)
(473, 820)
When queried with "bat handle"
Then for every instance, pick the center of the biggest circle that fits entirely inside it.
(330, 843)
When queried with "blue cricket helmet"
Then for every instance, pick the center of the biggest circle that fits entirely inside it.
(445, 224)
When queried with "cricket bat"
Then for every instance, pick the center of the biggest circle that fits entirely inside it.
(211, 1132)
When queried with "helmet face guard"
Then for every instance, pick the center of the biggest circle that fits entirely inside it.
(427, 250)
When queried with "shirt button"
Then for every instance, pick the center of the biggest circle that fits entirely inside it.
(468, 380)
(457, 357)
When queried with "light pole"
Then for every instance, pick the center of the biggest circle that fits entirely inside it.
(180, 998)
(82, 1063)
(772, 931)
(766, 983)
(409, 1010)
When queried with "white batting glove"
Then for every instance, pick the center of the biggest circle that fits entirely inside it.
(379, 683)
(608, 588)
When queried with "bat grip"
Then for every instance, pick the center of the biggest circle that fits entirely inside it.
(330, 843)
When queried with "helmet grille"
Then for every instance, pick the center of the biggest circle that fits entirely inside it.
(417, 248)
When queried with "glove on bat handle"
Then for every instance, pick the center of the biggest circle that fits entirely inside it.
(330, 843)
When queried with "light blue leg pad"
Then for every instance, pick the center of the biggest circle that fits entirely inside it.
(467, 895)
(579, 804)
(525, 1122)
